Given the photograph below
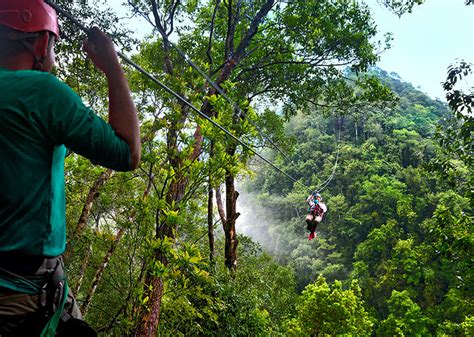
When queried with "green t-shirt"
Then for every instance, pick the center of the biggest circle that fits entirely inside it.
(39, 117)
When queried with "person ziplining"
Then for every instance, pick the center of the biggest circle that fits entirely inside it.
(316, 210)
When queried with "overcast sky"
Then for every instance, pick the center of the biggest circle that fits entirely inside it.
(425, 43)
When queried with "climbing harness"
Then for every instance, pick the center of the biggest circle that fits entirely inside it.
(50, 282)
(317, 209)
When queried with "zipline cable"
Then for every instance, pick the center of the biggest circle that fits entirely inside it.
(328, 180)
(193, 65)
(235, 105)
(203, 115)
(228, 99)
(172, 92)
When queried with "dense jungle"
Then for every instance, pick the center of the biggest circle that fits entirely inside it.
(207, 237)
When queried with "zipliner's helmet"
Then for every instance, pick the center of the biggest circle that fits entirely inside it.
(29, 16)
(317, 195)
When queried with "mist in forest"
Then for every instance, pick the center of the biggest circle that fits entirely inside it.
(254, 220)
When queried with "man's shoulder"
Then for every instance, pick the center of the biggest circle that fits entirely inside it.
(44, 77)
(47, 83)
(40, 77)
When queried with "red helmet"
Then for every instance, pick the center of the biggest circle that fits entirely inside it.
(28, 16)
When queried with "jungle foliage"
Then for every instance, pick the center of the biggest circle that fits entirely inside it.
(160, 251)
(398, 224)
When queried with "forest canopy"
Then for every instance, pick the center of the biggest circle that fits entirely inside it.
(206, 238)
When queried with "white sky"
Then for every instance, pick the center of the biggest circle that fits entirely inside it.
(425, 43)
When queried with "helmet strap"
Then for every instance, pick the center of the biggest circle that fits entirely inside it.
(38, 65)
(38, 60)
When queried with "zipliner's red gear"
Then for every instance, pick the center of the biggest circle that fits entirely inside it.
(317, 210)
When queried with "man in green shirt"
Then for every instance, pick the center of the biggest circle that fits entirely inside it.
(39, 117)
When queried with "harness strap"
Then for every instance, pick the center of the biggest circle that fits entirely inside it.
(50, 328)
(317, 210)
(50, 283)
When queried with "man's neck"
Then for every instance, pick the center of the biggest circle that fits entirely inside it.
(19, 62)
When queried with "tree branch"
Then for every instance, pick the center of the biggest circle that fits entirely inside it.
(211, 33)
(220, 206)
(229, 41)
(239, 53)
(164, 35)
(171, 16)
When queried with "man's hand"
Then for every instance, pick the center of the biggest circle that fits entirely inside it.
(101, 50)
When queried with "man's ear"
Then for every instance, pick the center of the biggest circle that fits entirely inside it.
(40, 46)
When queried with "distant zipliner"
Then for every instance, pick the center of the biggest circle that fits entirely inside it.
(317, 208)
(316, 212)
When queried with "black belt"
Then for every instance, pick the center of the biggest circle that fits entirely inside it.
(20, 263)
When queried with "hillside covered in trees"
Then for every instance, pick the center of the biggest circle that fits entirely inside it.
(395, 230)
(207, 237)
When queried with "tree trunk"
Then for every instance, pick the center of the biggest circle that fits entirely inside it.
(85, 262)
(220, 206)
(231, 241)
(210, 223)
(100, 271)
(210, 209)
(356, 133)
(93, 194)
(228, 221)
(232, 59)
(86, 210)
(154, 285)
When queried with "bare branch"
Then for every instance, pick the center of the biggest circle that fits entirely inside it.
(166, 43)
(211, 33)
(229, 41)
(171, 16)
(252, 29)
